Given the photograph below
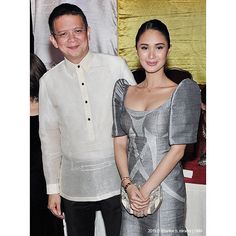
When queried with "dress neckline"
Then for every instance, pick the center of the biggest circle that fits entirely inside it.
(150, 110)
(153, 109)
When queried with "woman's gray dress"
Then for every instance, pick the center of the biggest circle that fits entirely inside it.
(151, 134)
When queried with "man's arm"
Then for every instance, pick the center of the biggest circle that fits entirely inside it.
(51, 149)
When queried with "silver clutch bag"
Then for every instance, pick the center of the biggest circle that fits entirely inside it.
(155, 200)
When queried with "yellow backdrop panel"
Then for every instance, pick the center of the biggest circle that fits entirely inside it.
(186, 21)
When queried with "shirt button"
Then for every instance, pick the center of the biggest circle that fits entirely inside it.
(82, 83)
(86, 101)
(78, 66)
(88, 119)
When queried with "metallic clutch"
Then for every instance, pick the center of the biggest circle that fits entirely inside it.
(155, 200)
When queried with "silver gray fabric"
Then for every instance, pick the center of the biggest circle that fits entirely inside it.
(151, 134)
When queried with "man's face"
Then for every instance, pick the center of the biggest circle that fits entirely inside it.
(71, 37)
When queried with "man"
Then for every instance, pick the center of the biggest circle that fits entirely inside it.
(75, 113)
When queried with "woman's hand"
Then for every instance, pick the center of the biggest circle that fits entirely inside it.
(145, 193)
(138, 202)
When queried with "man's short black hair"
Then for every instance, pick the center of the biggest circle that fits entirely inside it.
(65, 9)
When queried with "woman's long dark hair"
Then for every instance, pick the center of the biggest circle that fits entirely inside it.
(153, 25)
(37, 70)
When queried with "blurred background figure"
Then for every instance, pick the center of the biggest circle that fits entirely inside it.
(201, 144)
(42, 222)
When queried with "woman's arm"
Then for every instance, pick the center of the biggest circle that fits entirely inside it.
(137, 201)
(165, 166)
(120, 148)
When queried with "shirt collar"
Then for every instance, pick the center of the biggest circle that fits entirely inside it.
(85, 63)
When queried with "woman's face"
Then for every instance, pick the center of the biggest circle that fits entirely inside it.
(152, 49)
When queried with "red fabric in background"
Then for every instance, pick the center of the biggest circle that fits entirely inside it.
(199, 172)
(193, 154)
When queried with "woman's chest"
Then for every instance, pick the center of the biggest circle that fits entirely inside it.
(139, 123)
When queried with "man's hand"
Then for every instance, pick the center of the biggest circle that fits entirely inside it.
(54, 205)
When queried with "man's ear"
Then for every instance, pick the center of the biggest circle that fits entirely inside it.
(53, 41)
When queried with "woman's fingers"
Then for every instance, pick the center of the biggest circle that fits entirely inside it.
(135, 195)
(138, 203)
(138, 199)
(145, 211)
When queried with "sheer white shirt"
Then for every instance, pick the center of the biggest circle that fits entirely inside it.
(75, 125)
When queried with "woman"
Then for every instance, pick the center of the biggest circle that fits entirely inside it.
(42, 222)
(154, 121)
